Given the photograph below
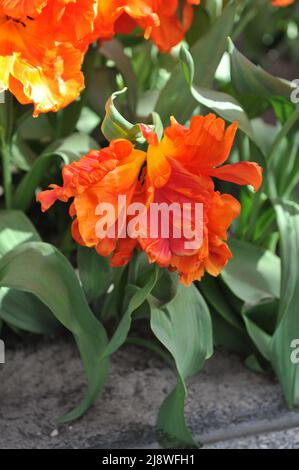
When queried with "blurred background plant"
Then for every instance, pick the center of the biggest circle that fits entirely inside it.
(228, 63)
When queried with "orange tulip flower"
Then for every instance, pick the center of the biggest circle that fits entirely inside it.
(171, 29)
(69, 21)
(159, 20)
(41, 50)
(282, 3)
(42, 42)
(180, 170)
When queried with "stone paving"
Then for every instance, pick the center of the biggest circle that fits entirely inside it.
(228, 406)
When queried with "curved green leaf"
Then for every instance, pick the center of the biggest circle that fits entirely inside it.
(15, 229)
(259, 336)
(184, 327)
(253, 274)
(115, 126)
(210, 288)
(26, 312)
(114, 51)
(288, 324)
(21, 309)
(249, 79)
(135, 302)
(41, 270)
(175, 98)
(95, 272)
(221, 103)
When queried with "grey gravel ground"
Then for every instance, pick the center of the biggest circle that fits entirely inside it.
(228, 406)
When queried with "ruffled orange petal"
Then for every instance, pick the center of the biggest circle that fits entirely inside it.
(43, 44)
(243, 173)
(181, 188)
(71, 21)
(121, 181)
(22, 8)
(123, 252)
(55, 83)
(159, 19)
(219, 256)
(172, 29)
(50, 78)
(209, 142)
(76, 234)
(78, 177)
(223, 210)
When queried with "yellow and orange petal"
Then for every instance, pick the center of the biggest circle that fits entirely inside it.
(282, 3)
(172, 29)
(159, 20)
(42, 45)
(22, 9)
(202, 148)
(122, 16)
(49, 84)
(70, 21)
(123, 181)
(42, 41)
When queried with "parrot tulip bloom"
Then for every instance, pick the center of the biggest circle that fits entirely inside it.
(43, 42)
(159, 20)
(41, 52)
(172, 29)
(178, 170)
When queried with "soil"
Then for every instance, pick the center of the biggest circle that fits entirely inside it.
(43, 379)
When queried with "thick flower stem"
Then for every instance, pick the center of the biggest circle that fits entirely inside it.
(288, 126)
(6, 120)
(68, 118)
(7, 180)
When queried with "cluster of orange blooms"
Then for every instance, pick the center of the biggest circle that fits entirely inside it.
(43, 42)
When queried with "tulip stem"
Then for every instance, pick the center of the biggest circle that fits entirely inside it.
(68, 118)
(287, 127)
(290, 123)
(7, 180)
(247, 13)
(6, 120)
